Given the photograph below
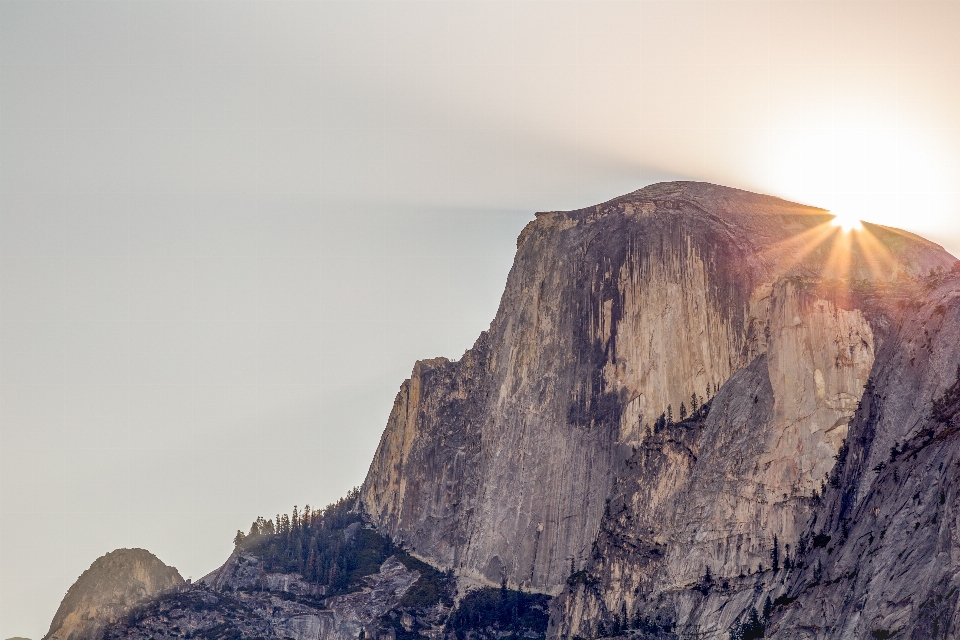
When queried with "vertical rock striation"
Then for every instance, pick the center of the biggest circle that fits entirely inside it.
(882, 552)
(534, 457)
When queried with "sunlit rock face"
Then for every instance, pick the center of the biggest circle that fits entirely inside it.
(889, 523)
(113, 585)
(501, 465)
(711, 494)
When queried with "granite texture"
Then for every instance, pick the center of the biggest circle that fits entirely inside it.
(113, 585)
(533, 459)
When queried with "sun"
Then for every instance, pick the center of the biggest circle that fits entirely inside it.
(846, 221)
(862, 160)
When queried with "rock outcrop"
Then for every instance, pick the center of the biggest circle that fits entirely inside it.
(540, 456)
(241, 600)
(113, 585)
(367, 588)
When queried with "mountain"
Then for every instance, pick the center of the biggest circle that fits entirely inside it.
(540, 456)
(113, 585)
(698, 413)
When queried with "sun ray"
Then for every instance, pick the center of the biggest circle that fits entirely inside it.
(793, 250)
(873, 252)
(837, 264)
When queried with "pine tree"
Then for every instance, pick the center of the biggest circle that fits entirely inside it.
(669, 415)
(683, 412)
(660, 424)
(238, 538)
(755, 628)
(775, 553)
(694, 404)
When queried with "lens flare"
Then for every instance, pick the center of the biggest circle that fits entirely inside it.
(863, 162)
(846, 221)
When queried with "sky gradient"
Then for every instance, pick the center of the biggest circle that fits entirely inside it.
(228, 230)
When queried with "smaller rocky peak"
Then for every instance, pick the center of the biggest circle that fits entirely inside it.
(108, 590)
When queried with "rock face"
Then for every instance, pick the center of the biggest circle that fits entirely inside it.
(539, 458)
(112, 586)
(883, 547)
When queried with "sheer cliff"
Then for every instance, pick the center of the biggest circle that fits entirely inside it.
(541, 456)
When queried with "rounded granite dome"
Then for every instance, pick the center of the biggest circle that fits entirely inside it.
(114, 583)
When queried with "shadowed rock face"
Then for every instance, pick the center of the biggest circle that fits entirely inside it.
(109, 589)
(242, 600)
(534, 456)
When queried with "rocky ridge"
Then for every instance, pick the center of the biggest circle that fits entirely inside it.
(241, 600)
(372, 590)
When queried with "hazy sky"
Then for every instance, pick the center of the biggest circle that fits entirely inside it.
(227, 230)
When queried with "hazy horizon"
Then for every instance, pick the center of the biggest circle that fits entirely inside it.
(229, 229)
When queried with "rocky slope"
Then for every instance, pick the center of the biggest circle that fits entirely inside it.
(113, 585)
(381, 592)
(536, 457)
(243, 601)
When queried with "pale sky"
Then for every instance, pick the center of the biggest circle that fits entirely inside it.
(228, 230)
